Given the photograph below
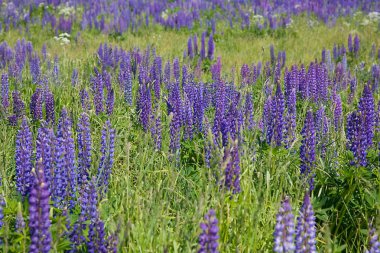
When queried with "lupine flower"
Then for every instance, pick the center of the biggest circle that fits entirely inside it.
(211, 48)
(110, 102)
(35, 70)
(24, 150)
(106, 161)
(36, 103)
(39, 210)
(65, 176)
(144, 105)
(18, 104)
(305, 230)
(357, 138)
(284, 230)
(2, 205)
(232, 170)
(307, 150)
(45, 150)
(374, 243)
(175, 123)
(85, 100)
(4, 91)
(49, 107)
(98, 94)
(248, 111)
(96, 241)
(367, 109)
(84, 148)
(208, 239)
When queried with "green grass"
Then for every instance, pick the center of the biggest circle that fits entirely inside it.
(158, 205)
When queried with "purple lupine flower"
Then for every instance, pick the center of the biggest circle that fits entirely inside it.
(232, 170)
(374, 243)
(357, 138)
(307, 149)
(211, 48)
(248, 111)
(49, 107)
(208, 239)
(74, 78)
(23, 156)
(367, 109)
(176, 117)
(305, 230)
(85, 100)
(106, 161)
(144, 105)
(36, 103)
(35, 70)
(2, 205)
(45, 150)
(39, 211)
(337, 112)
(322, 82)
(190, 52)
(356, 45)
(65, 176)
(98, 94)
(110, 102)
(203, 46)
(277, 119)
(18, 104)
(4, 91)
(349, 44)
(96, 237)
(322, 129)
(84, 148)
(284, 230)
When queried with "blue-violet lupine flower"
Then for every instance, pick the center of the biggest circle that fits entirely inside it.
(284, 230)
(39, 211)
(305, 231)
(208, 239)
(24, 150)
